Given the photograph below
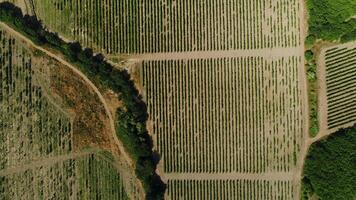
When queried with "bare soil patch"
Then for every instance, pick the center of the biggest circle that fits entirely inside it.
(90, 123)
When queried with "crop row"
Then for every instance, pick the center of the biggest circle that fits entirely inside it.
(174, 25)
(31, 125)
(340, 65)
(249, 111)
(230, 189)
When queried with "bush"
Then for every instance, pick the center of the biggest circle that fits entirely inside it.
(309, 56)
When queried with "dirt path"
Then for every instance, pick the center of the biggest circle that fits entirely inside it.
(271, 176)
(46, 162)
(298, 174)
(280, 52)
(123, 153)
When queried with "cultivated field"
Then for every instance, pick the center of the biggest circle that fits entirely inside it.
(251, 105)
(32, 126)
(250, 123)
(224, 83)
(338, 87)
(228, 112)
(49, 115)
(85, 177)
(169, 26)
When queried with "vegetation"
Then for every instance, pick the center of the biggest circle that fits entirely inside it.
(246, 89)
(312, 91)
(131, 120)
(332, 20)
(330, 168)
(341, 85)
(113, 26)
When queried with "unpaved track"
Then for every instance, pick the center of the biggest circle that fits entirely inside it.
(273, 176)
(304, 85)
(123, 153)
(46, 162)
(273, 52)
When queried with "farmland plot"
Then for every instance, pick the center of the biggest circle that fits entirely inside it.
(250, 126)
(35, 127)
(231, 125)
(86, 177)
(146, 26)
(338, 86)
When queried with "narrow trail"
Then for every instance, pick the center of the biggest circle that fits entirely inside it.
(48, 161)
(272, 176)
(266, 53)
(298, 173)
(123, 153)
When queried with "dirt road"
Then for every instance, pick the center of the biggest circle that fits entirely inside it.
(45, 162)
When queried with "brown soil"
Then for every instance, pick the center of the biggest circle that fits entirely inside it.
(90, 124)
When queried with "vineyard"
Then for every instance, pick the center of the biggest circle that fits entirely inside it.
(40, 125)
(86, 177)
(230, 189)
(172, 26)
(259, 127)
(250, 104)
(340, 73)
(28, 117)
(223, 81)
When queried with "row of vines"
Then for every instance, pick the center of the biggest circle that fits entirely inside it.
(173, 25)
(340, 65)
(251, 105)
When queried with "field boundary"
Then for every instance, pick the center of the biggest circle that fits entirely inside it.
(266, 53)
(275, 176)
(48, 161)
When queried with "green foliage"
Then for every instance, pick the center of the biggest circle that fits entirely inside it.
(309, 41)
(331, 19)
(131, 121)
(330, 167)
(309, 56)
(347, 37)
(313, 95)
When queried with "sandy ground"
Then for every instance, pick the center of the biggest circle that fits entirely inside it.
(273, 52)
(46, 162)
(121, 153)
